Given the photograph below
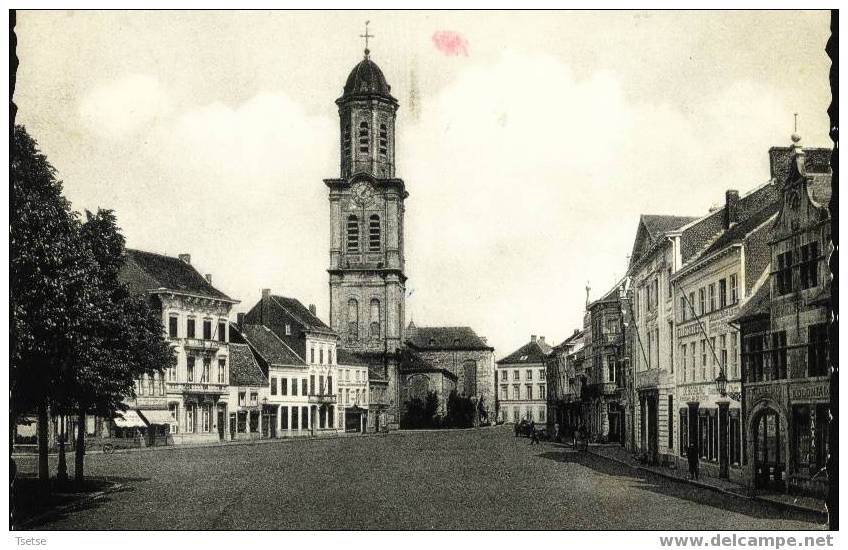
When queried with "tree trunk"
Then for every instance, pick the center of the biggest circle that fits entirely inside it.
(79, 452)
(43, 466)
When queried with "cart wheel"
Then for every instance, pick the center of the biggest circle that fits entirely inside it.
(108, 448)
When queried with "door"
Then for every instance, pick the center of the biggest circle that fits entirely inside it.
(769, 463)
(221, 424)
(653, 429)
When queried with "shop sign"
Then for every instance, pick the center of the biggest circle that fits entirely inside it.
(807, 391)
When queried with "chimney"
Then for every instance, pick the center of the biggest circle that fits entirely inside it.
(240, 319)
(731, 208)
(485, 340)
(532, 337)
(185, 258)
(576, 331)
(209, 278)
(312, 310)
(542, 339)
(266, 293)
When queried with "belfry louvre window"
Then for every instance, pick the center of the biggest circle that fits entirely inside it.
(374, 233)
(384, 139)
(352, 234)
(346, 140)
(363, 137)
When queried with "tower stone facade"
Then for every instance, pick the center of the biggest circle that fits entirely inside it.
(367, 280)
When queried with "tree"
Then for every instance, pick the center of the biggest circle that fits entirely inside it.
(120, 337)
(46, 283)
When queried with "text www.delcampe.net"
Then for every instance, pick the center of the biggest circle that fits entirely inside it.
(751, 541)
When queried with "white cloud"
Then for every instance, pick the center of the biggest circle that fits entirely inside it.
(123, 106)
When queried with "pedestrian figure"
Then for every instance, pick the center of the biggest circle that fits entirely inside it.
(556, 431)
(534, 437)
(692, 456)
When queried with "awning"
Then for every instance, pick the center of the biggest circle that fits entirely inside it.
(130, 419)
(159, 417)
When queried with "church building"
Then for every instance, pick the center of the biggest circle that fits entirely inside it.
(367, 265)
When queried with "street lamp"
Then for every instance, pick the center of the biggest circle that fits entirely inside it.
(721, 384)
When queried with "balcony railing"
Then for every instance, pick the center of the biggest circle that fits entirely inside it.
(199, 344)
(322, 398)
(198, 387)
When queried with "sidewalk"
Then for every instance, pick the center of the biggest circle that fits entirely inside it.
(618, 454)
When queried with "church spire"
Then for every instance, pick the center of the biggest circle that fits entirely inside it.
(366, 36)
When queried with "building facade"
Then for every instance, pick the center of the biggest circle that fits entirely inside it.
(193, 399)
(560, 376)
(522, 383)
(784, 328)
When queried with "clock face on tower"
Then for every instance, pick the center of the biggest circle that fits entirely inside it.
(362, 193)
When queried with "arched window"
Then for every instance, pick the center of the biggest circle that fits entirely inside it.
(364, 139)
(352, 319)
(352, 234)
(375, 318)
(384, 139)
(346, 140)
(374, 233)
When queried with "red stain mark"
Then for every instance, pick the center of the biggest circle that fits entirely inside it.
(450, 43)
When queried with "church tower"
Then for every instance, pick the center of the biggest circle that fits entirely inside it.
(367, 281)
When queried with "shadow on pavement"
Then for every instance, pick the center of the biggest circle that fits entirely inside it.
(667, 487)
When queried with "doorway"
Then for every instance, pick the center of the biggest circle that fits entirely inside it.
(769, 462)
(221, 424)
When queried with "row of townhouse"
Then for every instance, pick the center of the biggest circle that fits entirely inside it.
(276, 372)
(716, 338)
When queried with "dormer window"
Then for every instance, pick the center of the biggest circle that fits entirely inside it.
(352, 233)
(364, 138)
(288, 330)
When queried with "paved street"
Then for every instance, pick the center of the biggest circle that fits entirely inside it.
(482, 479)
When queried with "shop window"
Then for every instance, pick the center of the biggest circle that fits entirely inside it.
(817, 351)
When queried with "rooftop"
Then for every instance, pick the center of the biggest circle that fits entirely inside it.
(147, 271)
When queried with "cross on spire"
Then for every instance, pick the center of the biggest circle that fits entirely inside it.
(796, 119)
(366, 36)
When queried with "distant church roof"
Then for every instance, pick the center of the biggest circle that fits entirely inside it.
(366, 79)
(444, 338)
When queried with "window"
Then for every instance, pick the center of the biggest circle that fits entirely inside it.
(684, 431)
(670, 422)
(222, 331)
(735, 439)
(304, 390)
(809, 265)
(207, 366)
(321, 355)
(222, 371)
(207, 329)
(754, 359)
(352, 319)
(668, 280)
(294, 386)
(374, 233)
(364, 138)
(529, 374)
(190, 327)
(610, 368)
(273, 386)
(734, 290)
(284, 414)
(375, 318)
(312, 355)
(288, 330)
(712, 288)
(516, 415)
(174, 409)
(541, 414)
(541, 374)
(329, 384)
(778, 354)
(734, 364)
(817, 351)
(703, 359)
(649, 300)
(712, 353)
(352, 233)
(254, 398)
(384, 139)
(504, 389)
(304, 417)
(515, 375)
(702, 301)
(151, 384)
(683, 308)
(722, 293)
(515, 394)
(311, 384)
(172, 326)
(190, 415)
(241, 399)
(683, 360)
(321, 384)
(294, 416)
(722, 345)
(330, 356)
(205, 411)
(172, 374)
(691, 305)
(784, 273)
(529, 392)
(692, 353)
(346, 140)
(542, 394)
(190, 368)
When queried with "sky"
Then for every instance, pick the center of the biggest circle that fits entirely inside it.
(530, 143)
